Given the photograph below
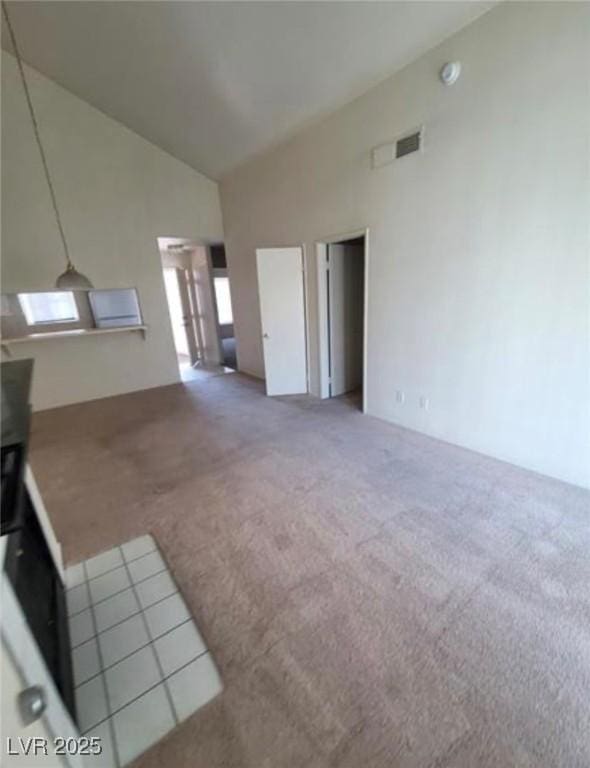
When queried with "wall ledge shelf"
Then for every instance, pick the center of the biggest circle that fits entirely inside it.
(77, 333)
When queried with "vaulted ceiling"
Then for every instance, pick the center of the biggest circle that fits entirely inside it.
(214, 83)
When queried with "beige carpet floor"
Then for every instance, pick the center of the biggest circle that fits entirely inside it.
(373, 598)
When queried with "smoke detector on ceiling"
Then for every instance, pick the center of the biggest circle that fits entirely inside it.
(450, 72)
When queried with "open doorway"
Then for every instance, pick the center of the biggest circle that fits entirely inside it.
(225, 317)
(342, 269)
(177, 294)
(194, 307)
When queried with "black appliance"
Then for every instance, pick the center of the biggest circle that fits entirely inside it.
(28, 563)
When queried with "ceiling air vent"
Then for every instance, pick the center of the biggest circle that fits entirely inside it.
(408, 144)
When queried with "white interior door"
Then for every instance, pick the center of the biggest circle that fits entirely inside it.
(188, 314)
(175, 309)
(282, 309)
(346, 316)
(205, 297)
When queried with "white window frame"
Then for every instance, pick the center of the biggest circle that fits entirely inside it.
(33, 320)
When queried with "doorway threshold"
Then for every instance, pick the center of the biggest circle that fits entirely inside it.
(201, 372)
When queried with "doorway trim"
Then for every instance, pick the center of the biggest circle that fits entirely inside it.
(198, 313)
(322, 296)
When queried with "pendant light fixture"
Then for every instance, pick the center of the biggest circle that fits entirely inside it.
(71, 279)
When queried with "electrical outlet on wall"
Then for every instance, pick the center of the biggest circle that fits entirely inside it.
(424, 402)
(400, 396)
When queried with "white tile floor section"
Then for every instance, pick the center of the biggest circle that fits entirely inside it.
(140, 664)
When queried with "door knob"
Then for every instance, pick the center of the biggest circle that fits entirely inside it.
(32, 702)
(265, 336)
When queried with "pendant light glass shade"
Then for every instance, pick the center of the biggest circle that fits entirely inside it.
(72, 280)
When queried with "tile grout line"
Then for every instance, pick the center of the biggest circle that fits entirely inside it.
(206, 652)
(140, 648)
(116, 624)
(139, 581)
(103, 599)
(87, 579)
(121, 565)
(104, 685)
(164, 679)
(119, 568)
(154, 651)
(100, 554)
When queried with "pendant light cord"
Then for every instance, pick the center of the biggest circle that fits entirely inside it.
(37, 134)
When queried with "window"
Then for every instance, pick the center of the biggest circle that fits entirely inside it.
(46, 308)
(115, 308)
(222, 295)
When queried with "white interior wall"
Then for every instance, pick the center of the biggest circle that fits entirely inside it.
(117, 193)
(478, 279)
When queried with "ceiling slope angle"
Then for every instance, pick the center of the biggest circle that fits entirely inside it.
(215, 83)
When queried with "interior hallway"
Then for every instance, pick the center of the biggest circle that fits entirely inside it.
(372, 597)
